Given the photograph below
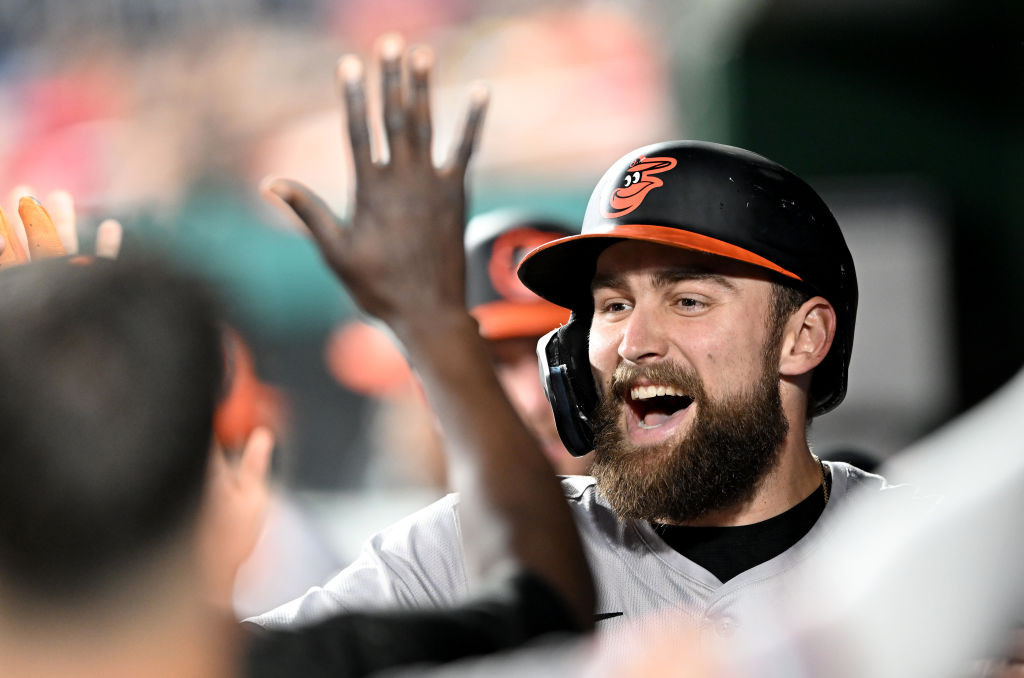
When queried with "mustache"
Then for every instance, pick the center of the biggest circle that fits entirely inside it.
(670, 374)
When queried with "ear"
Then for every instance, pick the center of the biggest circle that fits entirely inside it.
(237, 497)
(254, 462)
(807, 337)
(252, 491)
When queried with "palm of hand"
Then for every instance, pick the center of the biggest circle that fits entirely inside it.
(401, 252)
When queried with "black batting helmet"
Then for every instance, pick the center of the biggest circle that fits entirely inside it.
(716, 199)
(496, 242)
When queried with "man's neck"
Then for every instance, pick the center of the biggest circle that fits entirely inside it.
(793, 477)
(183, 641)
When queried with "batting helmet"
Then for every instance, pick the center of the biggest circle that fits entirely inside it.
(496, 243)
(700, 196)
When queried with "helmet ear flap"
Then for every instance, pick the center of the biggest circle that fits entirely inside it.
(568, 383)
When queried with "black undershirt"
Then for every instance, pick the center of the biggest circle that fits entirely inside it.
(727, 551)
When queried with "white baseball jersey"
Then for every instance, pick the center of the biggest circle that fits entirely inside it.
(418, 563)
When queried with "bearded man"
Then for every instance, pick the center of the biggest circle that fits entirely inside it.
(713, 301)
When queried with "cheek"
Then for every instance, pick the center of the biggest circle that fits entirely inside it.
(730, 367)
(603, 352)
(521, 383)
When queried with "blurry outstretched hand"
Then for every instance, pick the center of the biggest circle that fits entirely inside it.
(400, 251)
(32, 232)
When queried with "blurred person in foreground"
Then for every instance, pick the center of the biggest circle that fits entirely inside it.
(713, 303)
(110, 500)
(123, 522)
(36, 231)
(510, 317)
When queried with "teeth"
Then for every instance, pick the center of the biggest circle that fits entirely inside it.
(645, 392)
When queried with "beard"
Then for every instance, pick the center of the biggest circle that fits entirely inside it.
(719, 463)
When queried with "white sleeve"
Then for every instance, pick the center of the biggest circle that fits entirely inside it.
(415, 563)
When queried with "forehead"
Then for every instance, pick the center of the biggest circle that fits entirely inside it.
(636, 257)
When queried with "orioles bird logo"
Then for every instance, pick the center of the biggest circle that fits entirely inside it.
(638, 182)
(507, 251)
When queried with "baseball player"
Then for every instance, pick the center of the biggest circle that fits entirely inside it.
(713, 303)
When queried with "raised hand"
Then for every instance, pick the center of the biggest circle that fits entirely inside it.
(400, 253)
(401, 256)
(32, 232)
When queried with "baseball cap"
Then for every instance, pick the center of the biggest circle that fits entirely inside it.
(496, 243)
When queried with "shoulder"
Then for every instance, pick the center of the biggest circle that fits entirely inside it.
(438, 518)
(414, 563)
(850, 481)
(851, 478)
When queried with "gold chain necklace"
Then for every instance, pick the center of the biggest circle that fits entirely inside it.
(824, 482)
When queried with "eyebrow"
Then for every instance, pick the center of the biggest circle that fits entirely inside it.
(663, 278)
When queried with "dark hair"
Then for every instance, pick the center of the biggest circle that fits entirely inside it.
(786, 298)
(111, 372)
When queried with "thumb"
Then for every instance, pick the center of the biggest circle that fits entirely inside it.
(307, 206)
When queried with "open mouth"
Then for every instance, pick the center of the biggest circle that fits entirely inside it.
(655, 404)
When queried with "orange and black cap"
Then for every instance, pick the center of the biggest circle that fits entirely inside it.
(721, 200)
(496, 243)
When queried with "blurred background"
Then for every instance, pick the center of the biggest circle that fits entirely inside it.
(905, 114)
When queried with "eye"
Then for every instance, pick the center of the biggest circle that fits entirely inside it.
(610, 305)
(636, 177)
(690, 305)
(629, 180)
(614, 307)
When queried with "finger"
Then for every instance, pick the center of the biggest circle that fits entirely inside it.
(62, 209)
(389, 52)
(310, 208)
(109, 235)
(13, 253)
(421, 63)
(43, 241)
(350, 77)
(13, 198)
(478, 98)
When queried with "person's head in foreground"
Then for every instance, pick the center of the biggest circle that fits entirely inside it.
(117, 524)
(713, 301)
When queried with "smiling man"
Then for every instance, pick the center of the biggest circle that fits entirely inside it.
(713, 314)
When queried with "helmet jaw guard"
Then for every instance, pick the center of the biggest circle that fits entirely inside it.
(711, 198)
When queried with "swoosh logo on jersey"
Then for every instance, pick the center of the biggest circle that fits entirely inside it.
(606, 615)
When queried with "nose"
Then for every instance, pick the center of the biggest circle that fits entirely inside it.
(643, 338)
